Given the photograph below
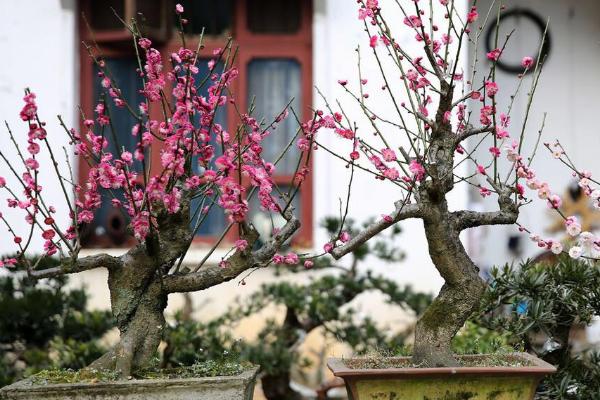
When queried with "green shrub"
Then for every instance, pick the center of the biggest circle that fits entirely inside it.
(539, 304)
(477, 339)
(191, 342)
(43, 326)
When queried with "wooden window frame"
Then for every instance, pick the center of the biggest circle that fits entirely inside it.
(295, 46)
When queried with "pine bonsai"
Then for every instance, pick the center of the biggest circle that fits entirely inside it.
(541, 304)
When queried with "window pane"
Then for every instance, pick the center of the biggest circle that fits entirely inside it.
(265, 221)
(108, 226)
(274, 16)
(213, 15)
(214, 223)
(274, 82)
(123, 73)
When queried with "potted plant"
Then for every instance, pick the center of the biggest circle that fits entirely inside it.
(442, 118)
(203, 168)
(319, 306)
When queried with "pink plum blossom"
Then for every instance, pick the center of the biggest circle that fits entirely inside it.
(388, 155)
(494, 55)
(417, 170)
(527, 62)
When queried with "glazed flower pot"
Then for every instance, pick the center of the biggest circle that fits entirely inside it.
(515, 381)
(236, 387)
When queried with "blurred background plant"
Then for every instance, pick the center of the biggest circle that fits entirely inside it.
(45, 326)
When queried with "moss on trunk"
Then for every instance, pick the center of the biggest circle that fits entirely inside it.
(138, 302)
(459, 297)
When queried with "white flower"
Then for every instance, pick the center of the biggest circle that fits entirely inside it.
(556, 247)
(595, 194)
(587, 238)
(584, 182)
(543, 191)
(575, 252)
(557, 153)
(574, 229)
(511, 154)
(534, 184)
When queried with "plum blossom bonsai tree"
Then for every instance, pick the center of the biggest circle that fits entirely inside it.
(200, 160)
(203, 167)
(418, 150)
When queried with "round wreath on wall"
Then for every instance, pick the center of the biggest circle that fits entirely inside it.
(532, 17)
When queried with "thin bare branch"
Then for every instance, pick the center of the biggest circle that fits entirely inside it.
(403, 211)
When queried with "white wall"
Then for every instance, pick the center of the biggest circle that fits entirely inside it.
(568, 93)
(38, 42)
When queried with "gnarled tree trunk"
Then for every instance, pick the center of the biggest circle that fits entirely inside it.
(138, 301)
(463, 288)
(458, 298)
(139, 284)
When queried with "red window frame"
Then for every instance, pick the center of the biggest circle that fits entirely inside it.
(296, 46)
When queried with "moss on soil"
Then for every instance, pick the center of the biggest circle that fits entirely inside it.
(52, 376)
(198, 370)
(492, 360)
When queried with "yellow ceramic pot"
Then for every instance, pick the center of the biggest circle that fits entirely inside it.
(461, 383)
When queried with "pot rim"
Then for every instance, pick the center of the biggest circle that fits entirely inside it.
(537, 367)
(26, 385)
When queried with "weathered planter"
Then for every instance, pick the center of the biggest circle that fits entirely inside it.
(461, 383)
(237, 387)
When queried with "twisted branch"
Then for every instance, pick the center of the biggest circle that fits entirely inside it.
(79, 265)
(403, 211)
(237, 263)
(507, 214)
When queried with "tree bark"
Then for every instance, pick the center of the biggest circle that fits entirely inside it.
(458, 298)
(138, 301)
